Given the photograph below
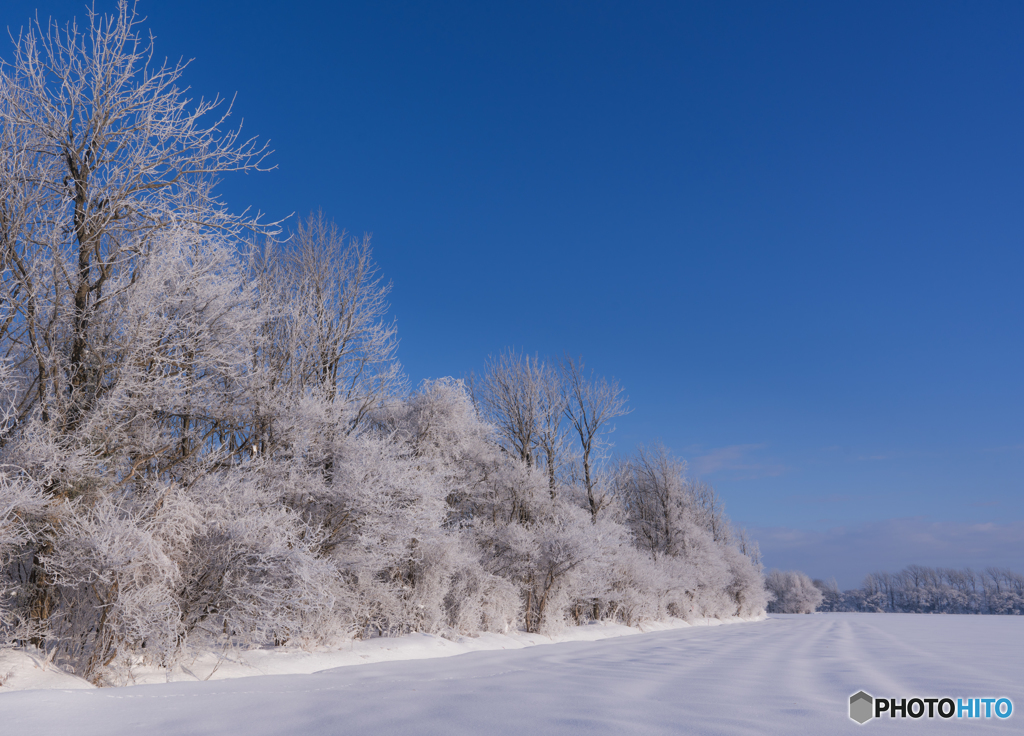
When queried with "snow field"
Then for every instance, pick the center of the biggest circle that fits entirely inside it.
(785, 675)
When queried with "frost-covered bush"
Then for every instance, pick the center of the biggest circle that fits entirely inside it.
(792, 592)
(23, 510)
(221, 563)
(746, 587)
(111, 589)
(682, 523)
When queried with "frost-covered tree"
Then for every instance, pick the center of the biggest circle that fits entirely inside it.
(103, 153)
(680, 524)
(326, 330)
(126, 322)
(653, 489)
(831, 596)
(591, 406)
(793, 592)
(524, 398)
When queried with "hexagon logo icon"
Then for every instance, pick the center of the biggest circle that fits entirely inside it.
(861, 707)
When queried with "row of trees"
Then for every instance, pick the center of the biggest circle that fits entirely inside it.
(919, 589)
(206, 442)
(915, 589)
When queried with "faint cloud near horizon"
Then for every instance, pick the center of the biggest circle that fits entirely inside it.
(738, 460)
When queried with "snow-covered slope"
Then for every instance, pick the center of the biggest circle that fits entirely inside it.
(22, 670)
(785, 675)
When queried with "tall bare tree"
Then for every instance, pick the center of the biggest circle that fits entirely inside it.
(709, 510)
(524, 398)
(101, 152)
(654, 492)
(592, 405)
(327, 330)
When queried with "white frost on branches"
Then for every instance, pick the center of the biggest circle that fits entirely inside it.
(204, 443)
(793, 592)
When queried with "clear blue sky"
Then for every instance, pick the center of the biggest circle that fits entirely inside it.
(792, 231)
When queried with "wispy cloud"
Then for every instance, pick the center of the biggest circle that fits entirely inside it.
(1005, 448)
(851, 552)
(737, 460)
(832, 499)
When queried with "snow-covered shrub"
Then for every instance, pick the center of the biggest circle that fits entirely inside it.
(23, 508)
(640, 587)
(112, 589)
(251, 574)
(793, 592)
(681, 524)
(381, 500)
(831, 596)
(747, 584)
(219, 563)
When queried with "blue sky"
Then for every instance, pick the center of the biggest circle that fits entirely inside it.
(792, 231)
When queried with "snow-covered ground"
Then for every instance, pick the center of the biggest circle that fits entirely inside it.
(784, 675)
(26, 669)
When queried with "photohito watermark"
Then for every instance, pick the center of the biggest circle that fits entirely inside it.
(864, 707)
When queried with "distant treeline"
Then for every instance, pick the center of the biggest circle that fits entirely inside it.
(918, 589)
